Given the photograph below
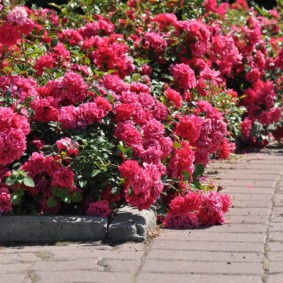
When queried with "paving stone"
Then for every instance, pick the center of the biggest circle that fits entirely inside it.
(248, 190)
(275, 266)
(15, 278)
(212, 171)
(250, 197)
(51, 228)
(234, 228)
(275, 246)
(245, 175)
(207, 246)
(278, 200)
(83, 277)
(275, 256)
(247, 268)
(205, 256)
(130, 224)
(94, 254)
(246, 219)
(277, 218)
(14, 268)
(18, 257)
(121, 265)
(249, 211)
(181, 278)
(215, 237)
(277, 211)
(273, 168)
(276, 236)
(275, 278)
(249, 203)
(86, 264)
(248, 183)
(276, 227)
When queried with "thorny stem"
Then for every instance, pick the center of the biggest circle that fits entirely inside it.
(23, 51)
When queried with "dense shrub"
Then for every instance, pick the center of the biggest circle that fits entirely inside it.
(126, 102)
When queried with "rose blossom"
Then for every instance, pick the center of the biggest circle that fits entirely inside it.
(5, 201)
(63, 177)
(129, 168)
(99, 208)
(9, 35)
(17, 16)
(184, 75)
(153, 129)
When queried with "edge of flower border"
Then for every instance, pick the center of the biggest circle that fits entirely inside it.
(128, 224)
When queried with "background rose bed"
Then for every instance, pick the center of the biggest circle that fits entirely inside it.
(106, 103)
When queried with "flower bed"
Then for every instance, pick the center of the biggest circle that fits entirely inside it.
(127, 102)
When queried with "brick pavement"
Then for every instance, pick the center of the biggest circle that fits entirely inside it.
(249, 248)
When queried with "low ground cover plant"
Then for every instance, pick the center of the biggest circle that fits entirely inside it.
(106, 103)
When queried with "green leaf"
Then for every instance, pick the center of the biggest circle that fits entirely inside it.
(54, 42)
(187, 176)
(95, 172)
(67, 199)
(16, 198)
(177, 145)
(11, 181)
(198, 172)
(28, 181)
(59, 192)
(51, 202)
(76, 196)
(82, 183)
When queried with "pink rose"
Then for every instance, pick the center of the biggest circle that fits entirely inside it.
(99, 208)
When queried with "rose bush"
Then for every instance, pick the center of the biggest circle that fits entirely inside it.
(126, 102)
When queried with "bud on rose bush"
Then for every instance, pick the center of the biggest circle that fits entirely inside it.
(128, 106)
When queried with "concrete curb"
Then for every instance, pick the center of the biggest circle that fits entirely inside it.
(49, 229)
(129, 224)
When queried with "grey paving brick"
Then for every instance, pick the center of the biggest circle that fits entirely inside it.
(70, 265)
(94, 254)
(275, 278)
(248, 183)
(198, 235)
(120, 265)
(15, 278)
(207, 246)
(248, 190)
(205, 256)
(17, 257)
(276, 227)
(83, 277)
(275, 266)
(246, 219)
(249, 203)
(252, 197)
(250, 211)
(13, 268)
(198, 267)
(182, 278)
(275, 256)
(275, 246)
(245, 175)
(276, 236)
(235, 228)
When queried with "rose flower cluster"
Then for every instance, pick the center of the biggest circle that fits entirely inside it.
(129, 106)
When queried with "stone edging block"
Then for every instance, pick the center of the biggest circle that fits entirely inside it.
(50, 229)
(130, 224)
